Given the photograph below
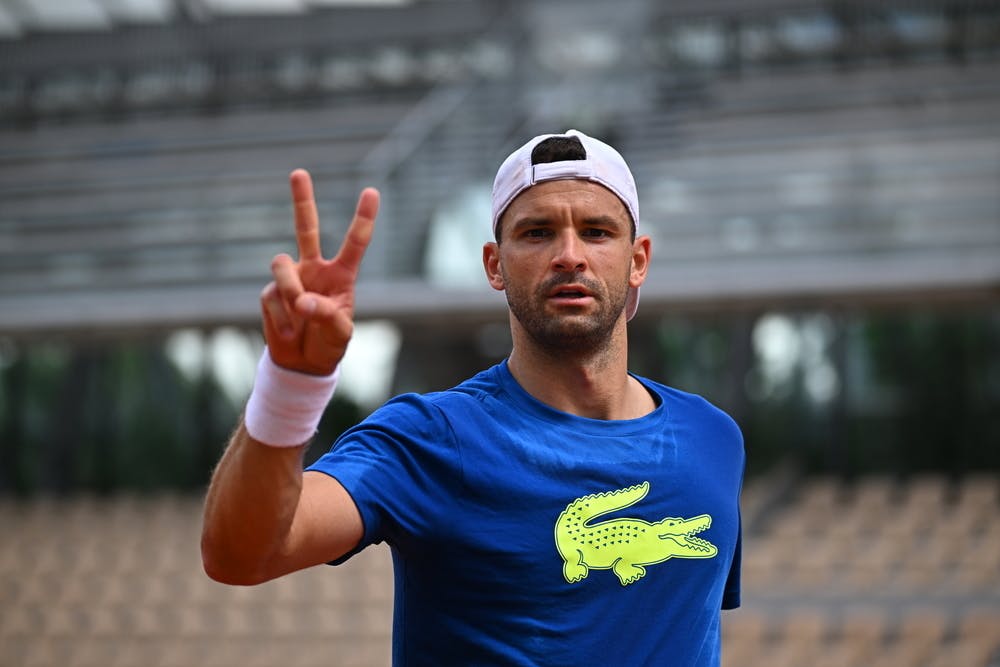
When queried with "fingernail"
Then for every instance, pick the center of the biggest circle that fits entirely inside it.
(309, 305)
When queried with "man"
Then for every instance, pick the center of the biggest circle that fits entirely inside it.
(552, 510)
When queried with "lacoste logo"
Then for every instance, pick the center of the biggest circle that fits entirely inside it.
(625, 545)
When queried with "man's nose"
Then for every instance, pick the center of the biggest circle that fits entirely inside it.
(569, 252)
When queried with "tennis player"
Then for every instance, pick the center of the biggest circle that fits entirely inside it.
(554, 509)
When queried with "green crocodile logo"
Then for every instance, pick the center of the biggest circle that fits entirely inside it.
(624, 545)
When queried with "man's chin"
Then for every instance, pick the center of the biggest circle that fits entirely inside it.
(566, 328)
(576, 333)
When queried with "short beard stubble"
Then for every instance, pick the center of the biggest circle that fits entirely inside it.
(567, 334)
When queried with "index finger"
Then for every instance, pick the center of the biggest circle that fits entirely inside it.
(306, 216)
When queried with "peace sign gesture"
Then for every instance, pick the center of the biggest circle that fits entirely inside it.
(308, 308)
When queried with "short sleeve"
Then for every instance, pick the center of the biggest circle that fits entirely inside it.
(400, 467)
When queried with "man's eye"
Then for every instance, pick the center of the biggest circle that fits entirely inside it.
(596, 233)
(536, 233)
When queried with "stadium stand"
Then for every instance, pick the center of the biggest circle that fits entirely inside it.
(772, 181)
(878, 572)
(874, 572)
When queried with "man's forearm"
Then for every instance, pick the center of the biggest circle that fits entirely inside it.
(257, 525)
(249, 508)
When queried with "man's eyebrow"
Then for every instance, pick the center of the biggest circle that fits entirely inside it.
(539, 220)
(531, 221)
(604, 220)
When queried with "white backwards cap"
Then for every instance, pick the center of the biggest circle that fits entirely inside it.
(601, 164)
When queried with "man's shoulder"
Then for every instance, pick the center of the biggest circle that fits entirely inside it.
(668, 392)
(478, 388)
(677, 399)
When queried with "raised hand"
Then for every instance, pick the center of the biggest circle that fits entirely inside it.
(308, 308)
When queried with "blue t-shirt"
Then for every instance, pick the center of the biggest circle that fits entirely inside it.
(522, 535)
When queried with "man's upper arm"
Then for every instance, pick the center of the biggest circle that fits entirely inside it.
(326, 525)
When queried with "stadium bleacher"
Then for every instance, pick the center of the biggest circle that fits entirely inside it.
(876, 572)
(807, 182)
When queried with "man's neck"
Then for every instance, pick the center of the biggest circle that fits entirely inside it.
(595, 384)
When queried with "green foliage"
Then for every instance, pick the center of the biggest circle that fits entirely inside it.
(898, 391)
(893, 392)
(114, 417)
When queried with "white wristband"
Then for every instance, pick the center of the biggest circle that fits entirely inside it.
(285, 406)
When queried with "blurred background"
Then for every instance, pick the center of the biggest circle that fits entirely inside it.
(822, 184)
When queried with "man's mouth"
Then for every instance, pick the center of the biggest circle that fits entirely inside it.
(570, 293)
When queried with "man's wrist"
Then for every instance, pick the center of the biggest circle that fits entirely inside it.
(285, 406)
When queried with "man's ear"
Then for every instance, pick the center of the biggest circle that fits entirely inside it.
(491, 263)
(641, 253)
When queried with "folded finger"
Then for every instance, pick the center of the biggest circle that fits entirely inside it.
(275, 312)
(335, 321)
(287, 280)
